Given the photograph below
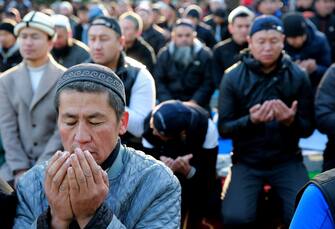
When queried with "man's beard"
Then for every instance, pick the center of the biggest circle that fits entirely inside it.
(183, 55)
(61, 52)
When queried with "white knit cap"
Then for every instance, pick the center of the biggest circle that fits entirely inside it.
(62, 21)
(239, 10)
(37, 20)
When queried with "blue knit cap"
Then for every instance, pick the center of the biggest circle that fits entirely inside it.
(266, 22)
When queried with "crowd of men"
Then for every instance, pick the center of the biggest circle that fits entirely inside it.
(82, 82)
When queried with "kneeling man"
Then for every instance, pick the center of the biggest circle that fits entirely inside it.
(96, 182)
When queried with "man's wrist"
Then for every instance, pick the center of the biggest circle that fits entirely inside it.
(46, 220)
(57, 223)
(288, 122)
(83, 222)
(101, 219)
(191, 173)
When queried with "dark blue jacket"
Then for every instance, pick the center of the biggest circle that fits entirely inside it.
(315, 47)
(327, 26)
(205, 35)
(325, 115)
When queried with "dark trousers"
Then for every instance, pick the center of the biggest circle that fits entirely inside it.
(244, 185)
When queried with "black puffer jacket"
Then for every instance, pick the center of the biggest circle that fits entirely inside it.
(193, 82)
(327, 26)
(205, 35)
(266, 144)
(155, 37)
(225, 54)
(142, 52)
(10, 58)
(325, 115)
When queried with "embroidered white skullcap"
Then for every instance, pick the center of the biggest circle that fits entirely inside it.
(62, 21)
(36, 20)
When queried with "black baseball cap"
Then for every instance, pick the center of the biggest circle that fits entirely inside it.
(109, 22)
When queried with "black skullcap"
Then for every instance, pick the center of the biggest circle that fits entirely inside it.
(170, 118)
(109, 22)
(8, 25)
(94, 73)
(266, 22)
(193, 11)
(219, 12)
(13, 12)
(294, 25)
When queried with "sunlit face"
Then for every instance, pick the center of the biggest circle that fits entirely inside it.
(34, 44)
(83, 16)
(268, 7)
(87, 121)
(266, 46)
(7, 39)
(65, 11)
(239, 29)
(129, 30)
(183, 36)
(62, 38)
(296, 42)
(324, 7)
(304, 3)
(214, 5)
(146, 15)
(105, 45)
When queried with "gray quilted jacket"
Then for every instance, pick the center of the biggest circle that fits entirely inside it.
(143, 194)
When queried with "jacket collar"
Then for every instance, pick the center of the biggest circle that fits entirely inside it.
(10, 51)
(283, 62)
(23, 83)
(48, 80)
(111, 158)
(116, 168)
(122, 65)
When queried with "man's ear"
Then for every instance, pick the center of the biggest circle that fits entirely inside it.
(51, 43)
(122, 42)
(124, 123)
(249, 41)
(283, 40)
(138, 33)
(230, 28)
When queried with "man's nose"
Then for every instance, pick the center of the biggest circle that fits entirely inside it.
(245, 30)
(267, 46)
(82, 135)
(27, 41)
(97, 45)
